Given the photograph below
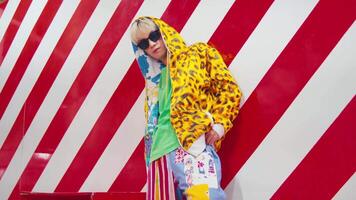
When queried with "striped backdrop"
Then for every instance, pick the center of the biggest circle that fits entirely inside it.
(71, 94)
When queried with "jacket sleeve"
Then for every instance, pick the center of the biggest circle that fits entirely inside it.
(226, 93)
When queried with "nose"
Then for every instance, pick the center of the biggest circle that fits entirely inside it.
(151, 43)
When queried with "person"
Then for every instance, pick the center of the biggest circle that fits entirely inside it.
(191, 101)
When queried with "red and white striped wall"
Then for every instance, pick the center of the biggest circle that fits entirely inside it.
(71, 94)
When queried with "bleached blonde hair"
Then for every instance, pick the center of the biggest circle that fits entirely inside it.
(141, 26)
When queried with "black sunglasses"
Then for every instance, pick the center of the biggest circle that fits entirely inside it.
(154, 36)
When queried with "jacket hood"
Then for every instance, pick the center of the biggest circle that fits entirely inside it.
(174, 42)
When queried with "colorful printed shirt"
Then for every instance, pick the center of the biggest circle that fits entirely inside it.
(164, 139)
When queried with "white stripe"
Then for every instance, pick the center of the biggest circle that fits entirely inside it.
(51, 104)
(111, 76)
(347, 192)
(144, 188)
(35, 66)
(88, 38)
(272, 34)
(99, 95)
(118, 151)
(267, 41)
(106, 170)
(301, 126)
(20, 39)
(7, 16)
(200, 25)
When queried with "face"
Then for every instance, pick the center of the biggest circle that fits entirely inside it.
(155, 49)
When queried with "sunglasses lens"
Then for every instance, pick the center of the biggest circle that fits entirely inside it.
(143, 44)
(154, 36)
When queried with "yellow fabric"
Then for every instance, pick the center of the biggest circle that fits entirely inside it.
(201, 83)
(198, 192)
(157, 183)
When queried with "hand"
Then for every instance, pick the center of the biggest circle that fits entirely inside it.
(211, 137)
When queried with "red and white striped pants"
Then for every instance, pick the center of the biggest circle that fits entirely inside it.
(160, 183)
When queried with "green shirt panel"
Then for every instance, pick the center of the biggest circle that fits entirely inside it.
(164, 139)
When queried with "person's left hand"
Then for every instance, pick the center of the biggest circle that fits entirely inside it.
(211, 137)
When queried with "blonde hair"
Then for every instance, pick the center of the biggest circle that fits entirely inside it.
(141, 26)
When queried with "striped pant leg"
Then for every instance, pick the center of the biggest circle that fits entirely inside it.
(160, 183)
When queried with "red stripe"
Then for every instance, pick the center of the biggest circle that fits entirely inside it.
(54, 64)
(153, 180)
(86, 79)
(166, 176)
(132, 183)
(237, 26)
(160, 174)
(329, 164)
(176, 14)
(230, 24)
(83, 162)
(13, 28)
(285, 79)
(27, 52)
(12, 140)
(2, 8)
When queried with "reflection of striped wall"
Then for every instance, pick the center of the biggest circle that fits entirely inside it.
(71, 100)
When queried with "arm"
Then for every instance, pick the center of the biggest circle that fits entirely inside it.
(225, 91)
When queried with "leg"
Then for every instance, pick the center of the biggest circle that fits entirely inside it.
(160, 185)
(188, 171)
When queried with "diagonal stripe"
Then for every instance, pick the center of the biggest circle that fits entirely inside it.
(113, 75)
(329, 164)
(347, 191)
(290, 69)
(221, 40)
(85, 80)
(103, 174)
(276, 29)
(297, 131)
(237, 26)
(33, 70)
(197, 29)
(20, 39)
(105, 85)
(3, 7)
(10, 144)
(10, 24)
(66, 77)
(60, 87)
(27, 53)
(45, 81)
(7, 16)
(117, 109)
(125, 181)
(48, 75)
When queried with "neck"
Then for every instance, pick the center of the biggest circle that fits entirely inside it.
(164, 60)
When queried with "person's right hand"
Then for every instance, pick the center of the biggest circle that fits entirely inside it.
(211, 137)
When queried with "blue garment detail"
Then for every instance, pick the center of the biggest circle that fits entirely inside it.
(143, 65)
(151, 70)
(178, 171)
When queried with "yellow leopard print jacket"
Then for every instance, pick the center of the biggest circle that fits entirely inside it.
(201, 83)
